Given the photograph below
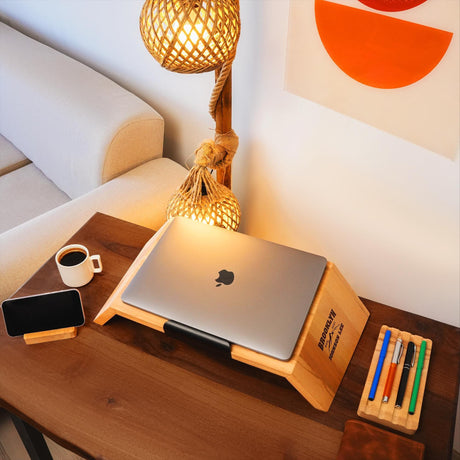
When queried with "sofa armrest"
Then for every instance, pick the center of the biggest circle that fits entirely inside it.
(79, 127)
(139, 196)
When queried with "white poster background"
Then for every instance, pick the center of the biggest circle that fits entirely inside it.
(426, 113)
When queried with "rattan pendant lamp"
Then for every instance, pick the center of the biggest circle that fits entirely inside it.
(195, 36)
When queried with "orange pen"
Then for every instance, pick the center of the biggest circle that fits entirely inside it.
(392, 371)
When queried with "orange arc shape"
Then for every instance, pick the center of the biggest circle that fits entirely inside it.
(378, 50)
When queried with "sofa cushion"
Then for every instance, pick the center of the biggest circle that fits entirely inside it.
(79, 127)
(139, 196)
(26, 193)
(10, 157)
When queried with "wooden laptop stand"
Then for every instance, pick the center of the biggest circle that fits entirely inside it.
(325, 346)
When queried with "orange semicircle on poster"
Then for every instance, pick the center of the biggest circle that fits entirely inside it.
(378, 50)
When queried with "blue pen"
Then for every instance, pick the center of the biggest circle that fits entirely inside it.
(378, 371)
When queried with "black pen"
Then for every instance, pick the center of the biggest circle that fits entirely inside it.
(408, 363)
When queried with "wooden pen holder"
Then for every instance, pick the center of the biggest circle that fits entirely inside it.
(386, 413)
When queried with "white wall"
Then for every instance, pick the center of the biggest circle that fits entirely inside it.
(384, 210)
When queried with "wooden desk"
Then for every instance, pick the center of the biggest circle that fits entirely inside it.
(123, 391)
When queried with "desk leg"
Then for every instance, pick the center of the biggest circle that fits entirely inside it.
(32, 439)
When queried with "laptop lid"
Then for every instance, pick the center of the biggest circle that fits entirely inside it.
(245, 290)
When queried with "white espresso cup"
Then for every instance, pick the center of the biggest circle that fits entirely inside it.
(76, 266)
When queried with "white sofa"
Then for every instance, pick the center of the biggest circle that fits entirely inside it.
(72, 143)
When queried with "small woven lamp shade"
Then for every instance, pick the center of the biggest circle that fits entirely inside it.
(202, 199)
(191, 36)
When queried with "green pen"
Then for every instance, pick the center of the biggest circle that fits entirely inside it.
(421, 360)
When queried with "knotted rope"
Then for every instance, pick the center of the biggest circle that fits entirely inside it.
(218, 153)
(201, 197)
(210, 154)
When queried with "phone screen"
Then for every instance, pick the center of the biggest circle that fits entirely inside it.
(43, 312)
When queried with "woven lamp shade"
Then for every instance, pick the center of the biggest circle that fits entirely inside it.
(191, 36)
(225, 213)
(202, 199)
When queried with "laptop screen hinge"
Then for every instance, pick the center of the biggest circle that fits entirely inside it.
(196, 336)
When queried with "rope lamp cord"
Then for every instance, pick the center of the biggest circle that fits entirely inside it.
(219, 85)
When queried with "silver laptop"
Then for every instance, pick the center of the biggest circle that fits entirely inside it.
(242, 289)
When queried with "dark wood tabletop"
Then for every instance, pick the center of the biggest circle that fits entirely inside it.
(124, 391)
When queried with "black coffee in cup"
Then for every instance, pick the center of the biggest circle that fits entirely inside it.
(72, 258)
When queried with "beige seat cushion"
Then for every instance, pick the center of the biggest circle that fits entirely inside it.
(139, 196)
(10, 157)
(26, 193)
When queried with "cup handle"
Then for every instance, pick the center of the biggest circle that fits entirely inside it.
(97, 258)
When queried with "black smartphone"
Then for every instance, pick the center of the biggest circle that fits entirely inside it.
(43, 312)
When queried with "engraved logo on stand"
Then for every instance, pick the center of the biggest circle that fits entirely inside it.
(331, 334)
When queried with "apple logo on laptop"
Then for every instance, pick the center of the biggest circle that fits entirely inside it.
(225, 277)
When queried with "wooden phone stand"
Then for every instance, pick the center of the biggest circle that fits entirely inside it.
(50, 336)
(325, 346)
